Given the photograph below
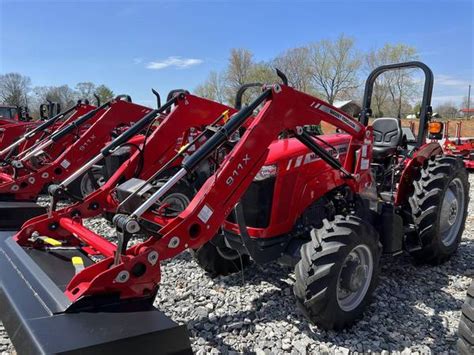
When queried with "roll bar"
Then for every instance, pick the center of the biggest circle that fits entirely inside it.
(425, 110)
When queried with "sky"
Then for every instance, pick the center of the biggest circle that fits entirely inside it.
(132, 46)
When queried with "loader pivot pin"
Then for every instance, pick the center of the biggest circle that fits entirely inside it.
(126, 227)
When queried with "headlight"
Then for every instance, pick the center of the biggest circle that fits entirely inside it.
(266, 172)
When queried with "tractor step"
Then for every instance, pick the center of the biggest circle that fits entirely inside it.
(13, 214)
(34, 310)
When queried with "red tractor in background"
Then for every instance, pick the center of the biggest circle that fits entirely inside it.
(24, 176)
(459, 146)
(12, 129)
(330, 205)
(11, 114)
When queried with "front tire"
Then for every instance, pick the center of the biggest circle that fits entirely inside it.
(466, 324)
(84, 186)
(338, 272)
(219, 260)
(438, 208)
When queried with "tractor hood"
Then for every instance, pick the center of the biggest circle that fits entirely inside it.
(289, 148)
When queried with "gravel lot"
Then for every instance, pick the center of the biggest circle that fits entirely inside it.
(416, 309)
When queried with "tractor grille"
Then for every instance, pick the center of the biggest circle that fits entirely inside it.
(257, 204)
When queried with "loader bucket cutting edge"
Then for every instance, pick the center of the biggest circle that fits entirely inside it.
(14, 214)
(33, 309)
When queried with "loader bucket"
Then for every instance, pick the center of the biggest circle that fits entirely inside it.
(13, 214)
(36, 314)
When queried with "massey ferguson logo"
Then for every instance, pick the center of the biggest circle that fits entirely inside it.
(238, 169)
(337, 115)
(311, 157)
(87, 142)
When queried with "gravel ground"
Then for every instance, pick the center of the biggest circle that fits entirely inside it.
(416, 309)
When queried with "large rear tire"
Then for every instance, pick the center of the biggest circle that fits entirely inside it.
(338, 272)
(466, 324)
(438, 208)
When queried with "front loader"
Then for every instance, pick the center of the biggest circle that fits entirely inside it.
(16, 138)
(158, 155)
(327, 202)
(179, 133)
(57, 156)
(21, 123)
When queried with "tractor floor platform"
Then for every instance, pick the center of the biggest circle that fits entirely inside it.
(13, 214)
(33, 309)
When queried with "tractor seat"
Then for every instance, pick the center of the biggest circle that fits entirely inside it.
(387, 137)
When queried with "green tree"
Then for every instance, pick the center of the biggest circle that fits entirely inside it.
(104, 93)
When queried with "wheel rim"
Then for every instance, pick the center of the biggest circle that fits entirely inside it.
(87, 187)
(175, 203)
(452, 212)
(354, 278)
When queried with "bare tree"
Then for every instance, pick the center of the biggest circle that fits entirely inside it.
(14, 89)
(334, 66)
(374, 59)
(447, 109)
(238, 71)
(213, 88)
(296, 64)
(63, 95)
(85, 90)
(393, 89)
(239, 67)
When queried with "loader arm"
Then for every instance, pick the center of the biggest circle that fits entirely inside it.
(67, 152)
(137, 273)
(160, 146)
(21, 137)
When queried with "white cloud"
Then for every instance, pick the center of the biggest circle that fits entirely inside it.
(448, 80)
(137, 60)
(177, 62)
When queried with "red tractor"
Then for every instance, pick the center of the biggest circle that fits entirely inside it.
(459, 146)
(12, 114)
(24, 176)
(20, 136)
(264, 188)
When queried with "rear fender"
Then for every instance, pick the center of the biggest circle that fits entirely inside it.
(411, 169)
